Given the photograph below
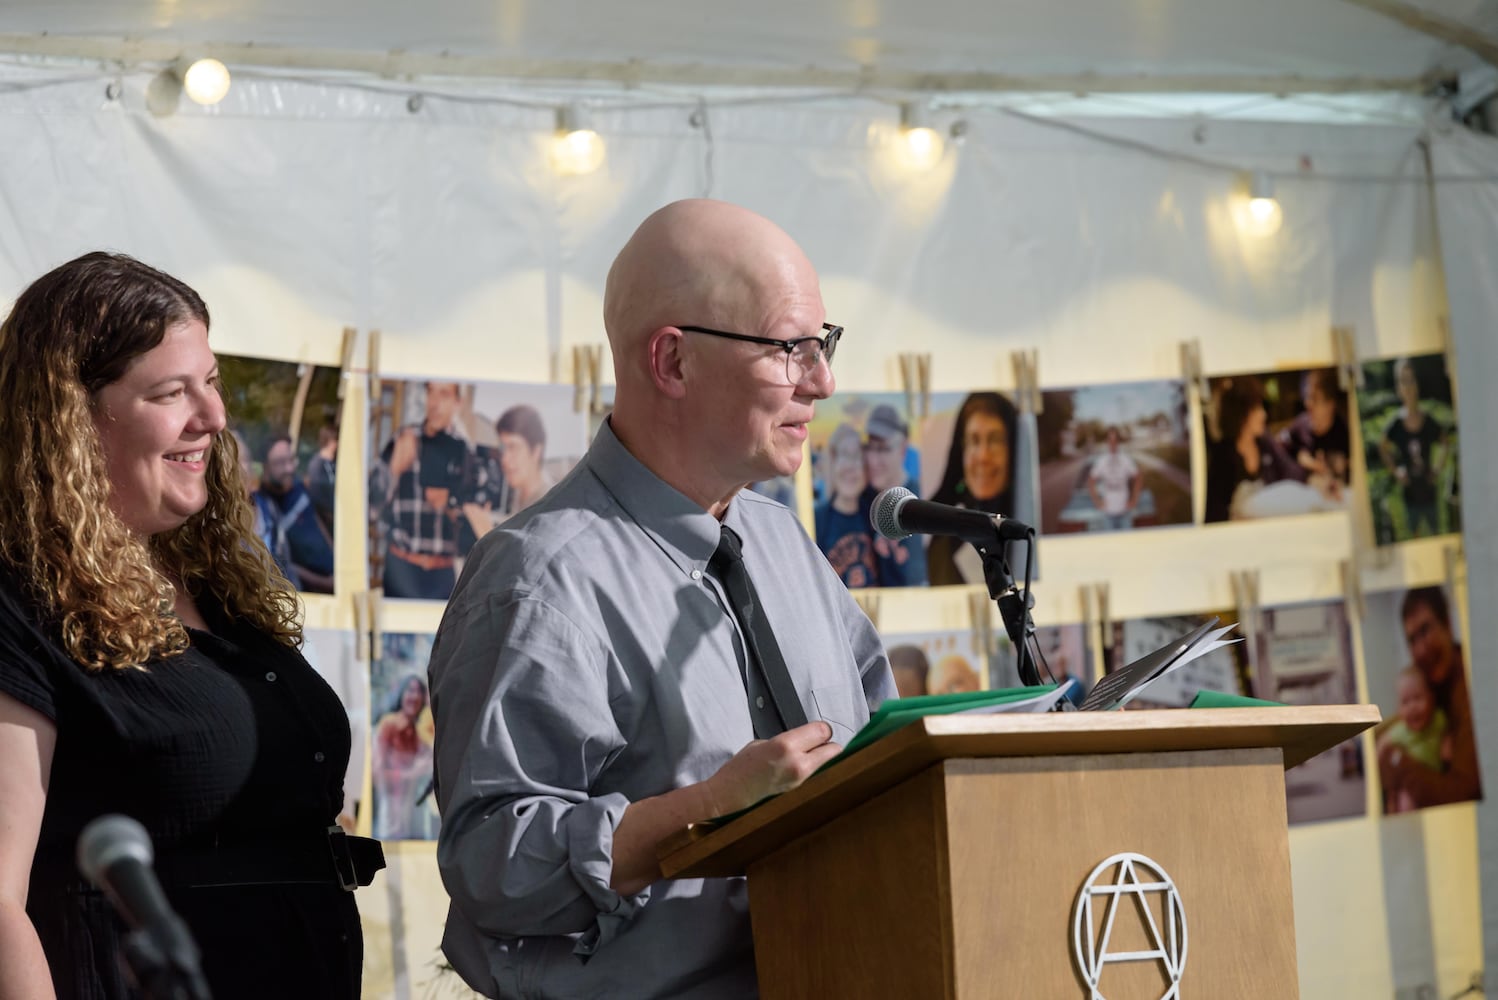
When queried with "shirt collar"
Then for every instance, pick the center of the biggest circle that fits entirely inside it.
(686, 532)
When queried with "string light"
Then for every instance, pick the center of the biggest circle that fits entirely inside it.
(923, 145)
(205, 81)
(577, 149)
(1259, 214)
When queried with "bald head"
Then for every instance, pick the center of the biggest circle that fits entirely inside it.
(704, 263)
(710, 414)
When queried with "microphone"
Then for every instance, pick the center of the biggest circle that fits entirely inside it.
(897, 513)
(114, 853)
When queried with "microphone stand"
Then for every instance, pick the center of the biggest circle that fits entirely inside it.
(162, 960)
(1014, 606)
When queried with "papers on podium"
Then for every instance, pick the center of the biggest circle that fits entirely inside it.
(1126, 683)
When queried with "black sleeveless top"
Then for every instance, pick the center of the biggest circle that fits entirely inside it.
(235, 741)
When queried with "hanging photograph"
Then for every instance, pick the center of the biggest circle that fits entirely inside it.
(1409, 444)
(284, 418)
(971, 457)
(331, 653)
(1114, 457)
(1426, 746)
(401, 736)
(1277, 444)
(939, 662)
(1304, 654)
(860, 445)
(1224, 671)
(451, 461)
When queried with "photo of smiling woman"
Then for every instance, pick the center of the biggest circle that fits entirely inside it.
(979, 474)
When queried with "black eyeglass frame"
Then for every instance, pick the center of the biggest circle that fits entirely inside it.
(828, 343)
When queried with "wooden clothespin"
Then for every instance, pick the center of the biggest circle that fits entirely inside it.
(374, 364)
(595, 379)
(346, 359)
(376, 601)
(579, 379)
(1345, 348)
(915, 376)
(1026, 380)
(587, 364)
(980, 618)
(1453, 562)
(868, 600)
(361, 625)
(1352, 588)
(1246, 596)
(1191, 371)
(1095, 613)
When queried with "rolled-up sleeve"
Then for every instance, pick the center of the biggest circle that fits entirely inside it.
(520, 696)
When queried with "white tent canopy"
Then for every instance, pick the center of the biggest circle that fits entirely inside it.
(1200, 45)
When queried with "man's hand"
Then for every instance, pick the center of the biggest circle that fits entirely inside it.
(768, 767)
(762, 768)
(403, 455)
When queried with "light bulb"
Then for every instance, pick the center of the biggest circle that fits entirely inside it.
(577, 148)
(924, 146)
(206, 81)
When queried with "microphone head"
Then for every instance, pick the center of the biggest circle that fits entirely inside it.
(884, 515)
(109, 839)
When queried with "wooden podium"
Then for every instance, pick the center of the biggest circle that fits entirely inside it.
(964, 857)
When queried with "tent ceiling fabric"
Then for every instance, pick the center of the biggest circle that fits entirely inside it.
(898, 39)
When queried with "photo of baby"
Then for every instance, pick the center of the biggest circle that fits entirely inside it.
(1421, 732)
(1417, 673)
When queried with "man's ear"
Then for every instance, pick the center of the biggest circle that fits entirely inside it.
(663, 355)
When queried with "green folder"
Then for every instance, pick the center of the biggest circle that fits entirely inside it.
(1216, 699)
(898, 712)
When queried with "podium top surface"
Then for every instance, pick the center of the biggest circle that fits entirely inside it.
(1299, 732)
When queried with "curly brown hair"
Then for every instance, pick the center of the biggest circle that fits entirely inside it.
(105, 591)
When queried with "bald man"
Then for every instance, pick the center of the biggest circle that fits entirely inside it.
(592, 686)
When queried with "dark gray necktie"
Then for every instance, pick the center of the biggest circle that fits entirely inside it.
(783, 709)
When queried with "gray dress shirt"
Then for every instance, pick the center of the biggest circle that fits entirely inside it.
(587, 660)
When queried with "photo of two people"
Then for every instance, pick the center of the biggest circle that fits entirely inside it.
(860, 446)
(452, 461)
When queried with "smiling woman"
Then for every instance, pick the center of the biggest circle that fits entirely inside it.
(148, 658)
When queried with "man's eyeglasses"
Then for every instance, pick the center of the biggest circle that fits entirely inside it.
(801, 354)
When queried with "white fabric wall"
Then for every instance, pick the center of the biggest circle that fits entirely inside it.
(299, 207)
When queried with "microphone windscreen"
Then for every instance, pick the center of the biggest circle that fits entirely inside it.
(109, 839)
(884, 514)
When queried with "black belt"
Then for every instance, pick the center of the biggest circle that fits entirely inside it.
(335, 859)
(338, 859)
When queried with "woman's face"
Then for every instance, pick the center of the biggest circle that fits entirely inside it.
(1255, 421)
(985, 456)
(1407, 385)
(413, 698)
(847, 477)
(1320, 407)
(520, 462)
(156, 425)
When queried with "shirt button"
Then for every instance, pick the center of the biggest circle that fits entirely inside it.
(696, 574)
(270, 675)
(759, 702)
(319, 757)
